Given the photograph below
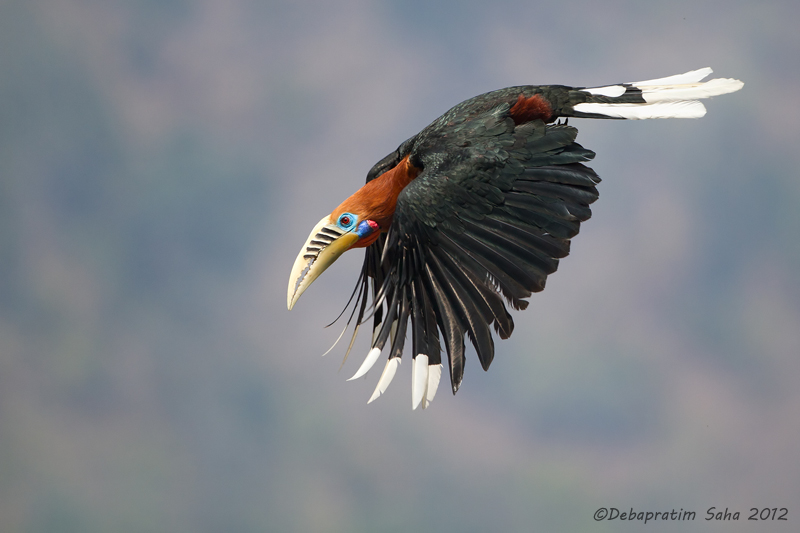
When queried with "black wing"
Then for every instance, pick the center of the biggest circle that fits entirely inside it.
(485, 223)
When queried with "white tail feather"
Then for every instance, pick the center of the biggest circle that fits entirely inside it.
(612, 90)
(671, 97)
(690, 109)
(693, 76)
(672, 93)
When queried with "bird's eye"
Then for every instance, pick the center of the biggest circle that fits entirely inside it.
(347, 221)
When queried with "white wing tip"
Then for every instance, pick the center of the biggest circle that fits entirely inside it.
(372, 356)
(434, 376)
(425, 378)
(386, 378)
(419, 379)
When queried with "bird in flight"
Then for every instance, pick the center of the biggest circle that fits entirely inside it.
(472, 214)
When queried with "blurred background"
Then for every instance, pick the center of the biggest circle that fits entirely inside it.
(162, 162)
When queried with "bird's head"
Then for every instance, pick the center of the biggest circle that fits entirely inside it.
(356, 223)
(350, 225)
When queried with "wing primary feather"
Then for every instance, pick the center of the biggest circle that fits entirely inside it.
(460, 299)
(510, 287)
(569, 154)
(349, 301)
(386, 327)
(493, 303)
(497, 262)
(523, 236)
(463, 284)
(425, 329)
(350, 346)
(360, 285)
(376, 308)
(386, 286)
(362, 307)
(452, 331)
(503, 323)
(418, 340)
(337, 340)
(433, 347)
(533, 224)
(390, 237)
(402, 325)
(568, 174)
(537, 264)
(542, 189)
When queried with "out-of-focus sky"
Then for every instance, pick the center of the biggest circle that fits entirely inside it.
(162, 162)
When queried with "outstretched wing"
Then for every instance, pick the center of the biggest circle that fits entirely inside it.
(484, 223)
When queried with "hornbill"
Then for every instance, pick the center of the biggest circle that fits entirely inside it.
(473, 213)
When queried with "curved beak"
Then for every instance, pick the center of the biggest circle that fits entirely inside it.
(324, 246)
